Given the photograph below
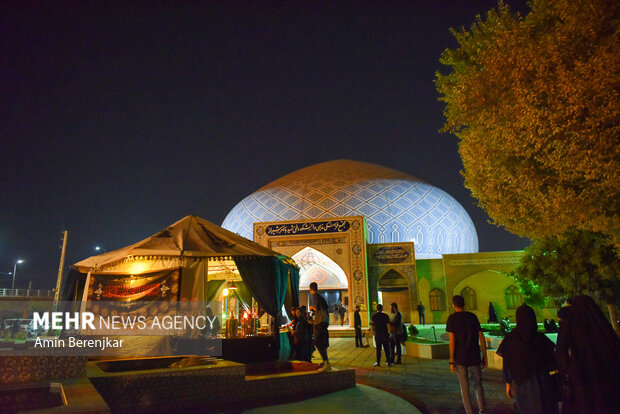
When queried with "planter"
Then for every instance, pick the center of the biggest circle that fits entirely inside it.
(493, 341)
(429, 351)
(495, 361)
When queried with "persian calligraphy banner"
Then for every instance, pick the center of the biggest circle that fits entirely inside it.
(332, 226)
(391, 254)
(134, 290)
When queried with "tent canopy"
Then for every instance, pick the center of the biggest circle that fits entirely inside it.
(268, 275)
(191, 236)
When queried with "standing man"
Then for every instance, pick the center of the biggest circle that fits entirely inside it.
(380, 322)
(357, 324)
(320, 323)
(492, 314)
(396, 332)
(466, 342)
(421, 313)
(336, 307)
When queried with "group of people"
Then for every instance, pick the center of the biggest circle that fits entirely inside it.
(309, 330)
(389, 333)
(580, 372)
(301, 333)
(550, 326)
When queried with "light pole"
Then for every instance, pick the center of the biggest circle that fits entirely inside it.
(19, 261)
(99, 248)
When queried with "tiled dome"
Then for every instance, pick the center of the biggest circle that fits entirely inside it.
(397, 206)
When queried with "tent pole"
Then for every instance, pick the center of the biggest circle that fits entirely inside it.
(85, 293)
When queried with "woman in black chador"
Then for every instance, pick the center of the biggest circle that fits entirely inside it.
(588, 356)
(528, 359)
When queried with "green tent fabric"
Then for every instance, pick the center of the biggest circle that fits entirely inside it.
(243, 294)
(214, 287)
(294, 284)
(267, 280)
(292, 291)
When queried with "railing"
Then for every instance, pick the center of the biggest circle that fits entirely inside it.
(27, 292)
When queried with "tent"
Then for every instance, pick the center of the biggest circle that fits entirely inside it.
(204, 256)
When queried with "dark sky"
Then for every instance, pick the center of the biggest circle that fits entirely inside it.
(116, 120)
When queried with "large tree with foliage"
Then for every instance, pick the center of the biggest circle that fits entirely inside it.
(578, 262)
(535, 103)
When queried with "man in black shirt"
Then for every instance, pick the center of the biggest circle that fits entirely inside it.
(465, 335)
(421, 313)
(380, 322)
(320, 323)
(396, 332)
(357, 324)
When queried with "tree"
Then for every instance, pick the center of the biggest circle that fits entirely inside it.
(535, 104)
(578, 262)
(533, 294)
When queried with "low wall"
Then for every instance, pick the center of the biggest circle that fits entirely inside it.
(222, 386)
(166, 389)
(17, 369)
(428, 351)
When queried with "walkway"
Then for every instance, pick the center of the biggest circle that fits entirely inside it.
(428, 384)
(353, 400)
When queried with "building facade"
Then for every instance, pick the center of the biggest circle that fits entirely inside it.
(369, 234)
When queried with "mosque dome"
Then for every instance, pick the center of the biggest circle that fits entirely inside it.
(397, 206)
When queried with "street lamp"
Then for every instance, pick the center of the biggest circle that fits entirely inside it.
(19, 261)
(99, 248)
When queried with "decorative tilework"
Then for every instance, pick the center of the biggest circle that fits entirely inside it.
(18, 369)
(397, 206)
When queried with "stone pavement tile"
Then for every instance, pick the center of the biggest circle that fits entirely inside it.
(429, 383)
(347, 401)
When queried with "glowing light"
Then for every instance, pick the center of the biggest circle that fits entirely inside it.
(139, 267)
(225, 292)
(245, 315)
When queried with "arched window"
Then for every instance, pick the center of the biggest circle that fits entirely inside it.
(513, 297)
(437, 300)
(470, 298)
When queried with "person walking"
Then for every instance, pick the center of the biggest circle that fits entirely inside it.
(528, 358)
(380, 322)
(336, 307)
(466, 342)
(588, 360)
(320, 324)
(357, 324)
(342, 311)
(396, 333)
(421, 310)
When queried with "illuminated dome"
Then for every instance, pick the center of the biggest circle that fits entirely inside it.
(397, 206)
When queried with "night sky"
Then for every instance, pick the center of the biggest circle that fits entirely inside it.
(117, 120)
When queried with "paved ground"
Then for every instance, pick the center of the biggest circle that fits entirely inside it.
(352, 400)
(428, 384)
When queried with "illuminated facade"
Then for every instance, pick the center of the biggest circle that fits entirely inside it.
(397, 207)
(369, 234)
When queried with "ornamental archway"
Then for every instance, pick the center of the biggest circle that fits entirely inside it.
(343, 240)
(393, 287)
(315, 266)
